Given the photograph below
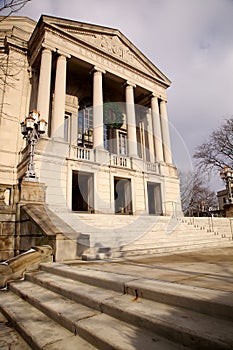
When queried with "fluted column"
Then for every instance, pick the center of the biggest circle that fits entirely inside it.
(150, 136)
(43, 97)
(98, 124)
(165, 132)
(57, 126)
(131, 121)
(157, 129)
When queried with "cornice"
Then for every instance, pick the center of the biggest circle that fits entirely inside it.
(45, 25)
(86, 28)
(104, 55)
(20, 46)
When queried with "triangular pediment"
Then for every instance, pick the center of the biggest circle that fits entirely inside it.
(108, 41)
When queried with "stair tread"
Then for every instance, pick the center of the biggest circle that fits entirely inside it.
(85, 294)
(104, 279)
(98, 329)
(220, 302)
(37, 329)
(155, 314)
(48, 301)
(9, 338)
(119, 335)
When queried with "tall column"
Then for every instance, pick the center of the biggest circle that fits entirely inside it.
(98, 123)
(165, 132)
(150, 136)
(57, 126)
(157, 129)
(131, 121)
(43, 97)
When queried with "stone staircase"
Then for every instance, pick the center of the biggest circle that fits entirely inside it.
(220, 226)
(68, 307)
(114, 236)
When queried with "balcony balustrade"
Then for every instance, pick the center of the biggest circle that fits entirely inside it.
(87, 154)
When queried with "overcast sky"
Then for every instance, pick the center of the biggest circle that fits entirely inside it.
(190, 41)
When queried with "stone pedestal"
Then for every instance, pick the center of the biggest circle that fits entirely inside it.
(33, 192)
(229, 210)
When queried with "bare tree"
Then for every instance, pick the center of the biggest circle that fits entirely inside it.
(12, 6)
(196, 197)
(217, 151)
(10, 68)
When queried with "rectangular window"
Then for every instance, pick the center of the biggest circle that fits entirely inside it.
(122, 144)
(85, 127)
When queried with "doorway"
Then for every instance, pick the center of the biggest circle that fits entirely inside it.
(122, 196)
(82, 191)
(154, 198)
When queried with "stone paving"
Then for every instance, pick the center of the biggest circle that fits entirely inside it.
(210, 268)
(9, 338)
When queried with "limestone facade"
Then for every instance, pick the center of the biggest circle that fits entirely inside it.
(107, 147)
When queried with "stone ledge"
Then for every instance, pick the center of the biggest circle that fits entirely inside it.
(15, 268)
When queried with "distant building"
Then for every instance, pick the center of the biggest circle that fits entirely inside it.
(222, 198)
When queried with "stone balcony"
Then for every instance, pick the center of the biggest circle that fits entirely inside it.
(114, 160)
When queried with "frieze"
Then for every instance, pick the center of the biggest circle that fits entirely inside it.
(107, 63)
(112, 45)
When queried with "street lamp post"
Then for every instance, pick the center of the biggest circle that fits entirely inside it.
(31, 128)
(227, 175)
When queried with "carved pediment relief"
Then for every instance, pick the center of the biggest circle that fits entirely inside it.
(110, 44)
(110, 41)
(113, 46)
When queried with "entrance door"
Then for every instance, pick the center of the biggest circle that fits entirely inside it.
(122, 196)
(82, 191)
(154, 198)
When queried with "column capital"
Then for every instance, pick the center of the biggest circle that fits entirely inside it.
(156, 95)
(46, 46)
(153, 94)
(97, 69)
(63, 53)
(129, 83)
(163, 100)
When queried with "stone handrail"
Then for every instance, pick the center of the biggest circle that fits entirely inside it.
(15, 268)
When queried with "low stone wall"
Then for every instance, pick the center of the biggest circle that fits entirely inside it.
(15, 268)
(40, 226)
(7, 222)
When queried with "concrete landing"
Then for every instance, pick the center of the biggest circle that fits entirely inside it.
(207, 268)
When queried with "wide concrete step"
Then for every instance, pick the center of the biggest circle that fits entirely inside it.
(109, 233)
(176, 323)
(38, 330)
(210, 302)
(87, 325)
(144, 249)
(9, 338)
(115, 239)
(177, 239)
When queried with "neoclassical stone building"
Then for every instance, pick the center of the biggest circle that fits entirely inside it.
(107, 144)
(75, 74)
